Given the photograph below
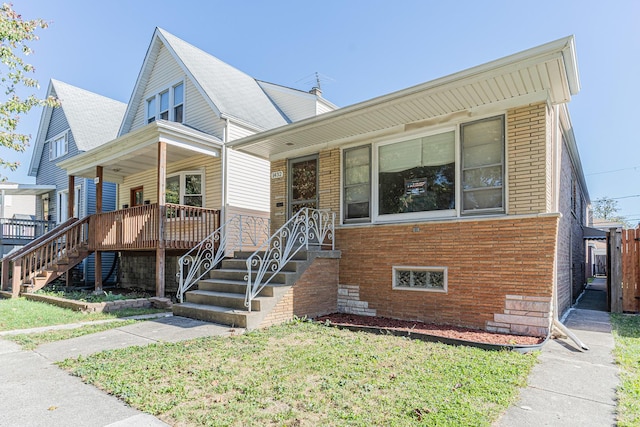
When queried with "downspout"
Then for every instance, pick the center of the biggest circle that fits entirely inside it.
(557, 144)
(223, 167)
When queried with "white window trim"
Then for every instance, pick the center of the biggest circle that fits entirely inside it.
(51, 142)
(444, 270)
(182, 175)
(428, 215)
(412, 216)
(171, 105)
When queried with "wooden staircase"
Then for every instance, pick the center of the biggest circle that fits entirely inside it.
(221, 297)
(45, 259)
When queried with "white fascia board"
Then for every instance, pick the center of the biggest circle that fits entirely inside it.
(45, 119)
(567, 130)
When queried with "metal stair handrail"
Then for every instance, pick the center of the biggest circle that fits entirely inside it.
(307, 228)
(240, 231)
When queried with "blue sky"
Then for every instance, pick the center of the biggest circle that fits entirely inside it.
(362, 49)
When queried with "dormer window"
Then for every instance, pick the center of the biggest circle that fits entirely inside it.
(58, 146)
(167, 105)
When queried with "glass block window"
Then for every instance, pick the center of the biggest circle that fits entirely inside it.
(420, 278)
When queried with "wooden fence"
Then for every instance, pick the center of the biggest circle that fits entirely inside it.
(630, 248)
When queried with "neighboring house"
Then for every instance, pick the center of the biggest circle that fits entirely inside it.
(171, 149)
(18, 224)
(83, 121)
(461, 200)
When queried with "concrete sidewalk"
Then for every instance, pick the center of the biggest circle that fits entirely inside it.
(571, 387)
(35, 392)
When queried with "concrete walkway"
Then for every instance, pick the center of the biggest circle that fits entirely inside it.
(571, 387)
(35, 392)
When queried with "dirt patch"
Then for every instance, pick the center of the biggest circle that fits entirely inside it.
(446, 331)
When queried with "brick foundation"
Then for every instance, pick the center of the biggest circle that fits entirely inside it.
(314, 294)
(138, 270)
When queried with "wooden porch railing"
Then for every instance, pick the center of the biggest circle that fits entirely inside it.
(137, 228)
(23, 229)
(29, 262)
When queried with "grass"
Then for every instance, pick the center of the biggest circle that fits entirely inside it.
(87, 296)
(19, 313)
(626, 333)
(33, 340)
(307, 374)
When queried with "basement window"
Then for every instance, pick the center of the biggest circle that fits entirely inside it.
(432, 279)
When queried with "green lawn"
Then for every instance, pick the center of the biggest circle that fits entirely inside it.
(307, 374)
(626, 332)
(19, 313)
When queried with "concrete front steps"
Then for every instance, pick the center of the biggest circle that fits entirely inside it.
(220, 298)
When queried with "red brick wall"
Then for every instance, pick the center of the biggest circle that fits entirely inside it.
(486, 259)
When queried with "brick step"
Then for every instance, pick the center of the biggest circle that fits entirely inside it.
(234, 287)
(222, 299)
(226, 274)
(216, 314)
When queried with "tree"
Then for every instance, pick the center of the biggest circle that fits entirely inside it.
(606, 208)
(15, 37)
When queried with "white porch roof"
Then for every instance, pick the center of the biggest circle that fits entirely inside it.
(14, 189)
(544, 73)
(137, 151)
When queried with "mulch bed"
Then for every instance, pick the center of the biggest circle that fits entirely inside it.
(445, 331)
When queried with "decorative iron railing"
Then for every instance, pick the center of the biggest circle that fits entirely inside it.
(307, 229)
(241, 232)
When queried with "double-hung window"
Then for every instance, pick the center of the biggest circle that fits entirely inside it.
(58, 146)
(186, 188)
(167, 105)
(357, 184)
(483, 165)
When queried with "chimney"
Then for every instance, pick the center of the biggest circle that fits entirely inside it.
(316, 91)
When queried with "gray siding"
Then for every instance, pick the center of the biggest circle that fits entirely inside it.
(571, 246)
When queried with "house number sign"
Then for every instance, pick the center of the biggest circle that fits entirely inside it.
(277, 174)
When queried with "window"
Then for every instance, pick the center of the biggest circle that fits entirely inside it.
(151, 110)
(58, 146)
(185, 188)
(483, 165)
(357, 183)
(178, 102)
(158, 106)
(420, 278)
(417, 175)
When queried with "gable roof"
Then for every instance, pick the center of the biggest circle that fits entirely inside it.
(545, 73)
(231, 93)
(93, 119)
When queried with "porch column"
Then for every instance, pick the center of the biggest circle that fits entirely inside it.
(98, 254)
(71, 201)
(71, 197)
(162, 189)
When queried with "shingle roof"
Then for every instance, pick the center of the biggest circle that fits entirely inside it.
(230, 92)
(93, 119)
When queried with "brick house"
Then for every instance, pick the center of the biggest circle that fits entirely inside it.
(459, 201)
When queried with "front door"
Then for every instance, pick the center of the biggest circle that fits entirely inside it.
(303, 184)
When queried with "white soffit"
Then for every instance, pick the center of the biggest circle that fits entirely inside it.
(544, 73)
